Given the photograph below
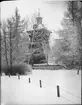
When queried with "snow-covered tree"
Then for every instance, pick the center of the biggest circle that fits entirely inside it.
(13, 34)
(75, 14)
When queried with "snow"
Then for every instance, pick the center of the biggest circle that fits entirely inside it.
(16, 91)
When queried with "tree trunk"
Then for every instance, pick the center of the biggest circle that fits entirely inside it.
(0, 43)
(6, 50)
(47, 58)
(10, 51)
(79, 32)
(31, 55)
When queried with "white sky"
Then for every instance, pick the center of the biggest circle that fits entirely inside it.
(51, 11)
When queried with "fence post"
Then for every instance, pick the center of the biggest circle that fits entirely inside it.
(40, 84)
(58, 91)
(77, 72)
(9, 74)
(29, 80)
(18, 76)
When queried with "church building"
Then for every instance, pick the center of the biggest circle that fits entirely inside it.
(39, 37)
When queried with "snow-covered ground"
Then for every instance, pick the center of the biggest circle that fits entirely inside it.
(16, 91)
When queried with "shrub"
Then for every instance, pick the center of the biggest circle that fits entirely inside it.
(36, 59)
(67, 61)
(22, 69)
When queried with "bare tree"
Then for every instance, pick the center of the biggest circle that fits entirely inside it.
(20, 27)
(75, 14)
(4, 26)
(10, 29)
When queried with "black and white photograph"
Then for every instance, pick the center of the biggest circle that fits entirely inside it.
(41, 51)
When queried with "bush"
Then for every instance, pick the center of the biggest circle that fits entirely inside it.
(67, 61)
(36, 59)
(22, 69)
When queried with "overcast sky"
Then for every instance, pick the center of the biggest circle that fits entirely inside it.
(51, 11)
